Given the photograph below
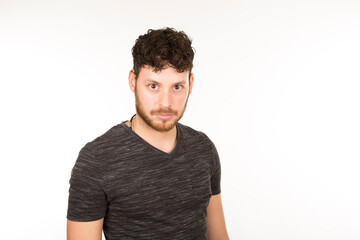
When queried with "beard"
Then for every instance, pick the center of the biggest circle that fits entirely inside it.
(162, 125)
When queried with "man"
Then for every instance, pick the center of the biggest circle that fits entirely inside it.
(150, 177)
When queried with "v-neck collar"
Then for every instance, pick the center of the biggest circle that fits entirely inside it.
(143, 141)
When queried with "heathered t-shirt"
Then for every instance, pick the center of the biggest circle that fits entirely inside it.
(141, 191)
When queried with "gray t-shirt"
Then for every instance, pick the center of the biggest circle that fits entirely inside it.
(141, 191)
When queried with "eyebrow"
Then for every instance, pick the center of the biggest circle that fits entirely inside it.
(158, 83)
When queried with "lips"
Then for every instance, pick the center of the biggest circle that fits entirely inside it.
(164, 116)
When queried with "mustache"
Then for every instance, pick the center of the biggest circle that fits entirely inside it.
(164, 111)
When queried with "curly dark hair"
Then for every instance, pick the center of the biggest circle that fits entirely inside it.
(162, 48)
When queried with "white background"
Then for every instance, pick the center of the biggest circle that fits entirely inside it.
(276, 89)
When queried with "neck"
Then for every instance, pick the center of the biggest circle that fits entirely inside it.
(165, 141)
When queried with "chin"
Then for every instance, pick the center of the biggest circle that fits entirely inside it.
(163, 127)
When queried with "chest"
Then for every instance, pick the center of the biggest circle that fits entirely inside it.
(149, 185)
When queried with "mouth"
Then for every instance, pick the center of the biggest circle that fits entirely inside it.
(164, 116)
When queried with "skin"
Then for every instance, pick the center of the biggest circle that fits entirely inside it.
(85, 230)
(149, 102)
(161, 99)
(165, 92)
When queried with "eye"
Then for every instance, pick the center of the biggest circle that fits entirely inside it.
(177, 87)
(153, 86)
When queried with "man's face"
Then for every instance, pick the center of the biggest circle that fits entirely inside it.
(161, 97)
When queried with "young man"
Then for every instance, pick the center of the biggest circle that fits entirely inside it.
(150, 177)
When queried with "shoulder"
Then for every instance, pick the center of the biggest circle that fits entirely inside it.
(195, 137)
(199, 146)
(187, 131)
(107, 140)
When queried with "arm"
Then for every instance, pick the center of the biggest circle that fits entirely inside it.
(85, 230)
(216, 219)
(87, 198)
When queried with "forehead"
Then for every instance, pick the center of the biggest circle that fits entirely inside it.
(167, 75)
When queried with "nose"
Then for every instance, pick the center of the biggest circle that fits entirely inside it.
(165, 99)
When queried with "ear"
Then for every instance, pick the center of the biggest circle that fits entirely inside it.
(132, 81)
(191, 82)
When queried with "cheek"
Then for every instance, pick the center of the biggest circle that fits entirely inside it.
(180, 100)
(148, 99)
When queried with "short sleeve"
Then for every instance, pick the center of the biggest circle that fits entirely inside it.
(87, 198)
(215, 173)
